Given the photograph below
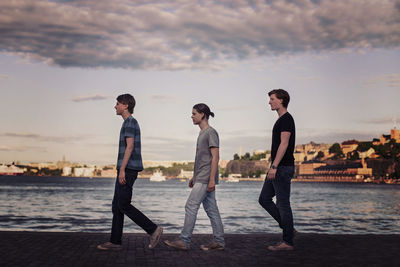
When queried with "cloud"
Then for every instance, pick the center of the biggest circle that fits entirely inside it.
(44, 138)
(390, 80)
(392, 120)
(304, 136)
(163, 98)
(233, 108)
(176, 35)
(89, 98)
(22, 149)
(11, 149)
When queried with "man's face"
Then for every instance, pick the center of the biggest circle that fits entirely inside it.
(119, 108)
(274, 102)
(196, 116)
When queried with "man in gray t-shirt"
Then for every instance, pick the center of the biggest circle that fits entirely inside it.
(203, 183)
(207, 139)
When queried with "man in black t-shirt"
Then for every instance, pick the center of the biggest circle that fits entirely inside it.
(277, 182)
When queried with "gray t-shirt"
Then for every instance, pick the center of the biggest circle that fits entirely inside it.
(207, 139)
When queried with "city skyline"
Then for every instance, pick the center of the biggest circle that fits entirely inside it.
(63, 63)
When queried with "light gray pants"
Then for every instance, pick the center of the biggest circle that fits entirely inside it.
(197, 196)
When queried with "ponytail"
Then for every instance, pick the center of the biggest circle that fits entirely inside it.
(203, 108)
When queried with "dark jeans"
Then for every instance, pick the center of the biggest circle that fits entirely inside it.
(121, 205)
(281, 211)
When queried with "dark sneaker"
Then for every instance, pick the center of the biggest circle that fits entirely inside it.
(212, 246)
(281, 246)
(155, 237)
(109, 246)
(178, 244)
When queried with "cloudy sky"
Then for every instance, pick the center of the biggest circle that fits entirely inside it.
(62, 64)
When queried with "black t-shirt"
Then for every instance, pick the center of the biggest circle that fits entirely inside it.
(284, 124)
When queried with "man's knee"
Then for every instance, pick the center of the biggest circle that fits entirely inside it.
(263, 200)
(123, 205)
(191, 205)
(283, 203)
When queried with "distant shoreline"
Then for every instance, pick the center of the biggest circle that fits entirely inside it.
(248, 179)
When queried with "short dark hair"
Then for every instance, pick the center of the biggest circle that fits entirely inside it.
(127, 99)
(282, 95)
(203, 108)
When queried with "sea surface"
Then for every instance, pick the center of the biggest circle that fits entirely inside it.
(84, 205)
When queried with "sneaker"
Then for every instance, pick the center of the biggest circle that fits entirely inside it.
(280, 247)
(109, 246)
(212, 246)
(178, 244)
(155, 237)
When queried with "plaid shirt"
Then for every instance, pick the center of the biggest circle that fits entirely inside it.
(130, 128)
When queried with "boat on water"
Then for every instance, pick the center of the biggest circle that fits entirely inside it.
(10, 170)
(157, 177)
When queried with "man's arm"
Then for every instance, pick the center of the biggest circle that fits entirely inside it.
(285, 136)
(127, 155)
(214, 168)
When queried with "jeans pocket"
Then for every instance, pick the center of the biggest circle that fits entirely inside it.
(285, 172)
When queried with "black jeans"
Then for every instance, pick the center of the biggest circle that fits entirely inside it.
(281, 211)
(121, 205)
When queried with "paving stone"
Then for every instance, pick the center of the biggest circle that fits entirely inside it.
(79, 249)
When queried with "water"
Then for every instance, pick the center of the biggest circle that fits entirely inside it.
(84, 205)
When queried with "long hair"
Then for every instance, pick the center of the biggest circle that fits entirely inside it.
(203, 108)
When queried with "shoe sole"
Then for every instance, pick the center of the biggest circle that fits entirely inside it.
(280, 249)
(213, 249)
(158, 240)
(105, 249)
(166, 242)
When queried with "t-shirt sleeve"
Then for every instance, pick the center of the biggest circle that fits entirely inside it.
(130, 128)
(213, 139)
(287, 125)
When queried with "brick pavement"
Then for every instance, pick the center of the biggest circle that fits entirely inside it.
(79, 249)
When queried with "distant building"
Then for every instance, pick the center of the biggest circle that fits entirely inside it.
(308, 167)
(66, 171)
(349, 172)
(367, 154)
(84, 172)
(164, 163)
(310, 151)
(111, 173)
(299, 157)
(385, 138)
(395, 134)
(349, 146)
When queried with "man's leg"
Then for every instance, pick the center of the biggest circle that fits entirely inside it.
(282, 189)
(211, 208)
(118, 217)
(124, 204)
(193, 202)
(265, 200)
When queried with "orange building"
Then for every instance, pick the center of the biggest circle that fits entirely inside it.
(395, 134)
(349, 146)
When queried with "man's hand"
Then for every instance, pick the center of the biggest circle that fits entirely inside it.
(271, 174)
(211, 186)
(121, 177)
(191, 183)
